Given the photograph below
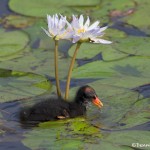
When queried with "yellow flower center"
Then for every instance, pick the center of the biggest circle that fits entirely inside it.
(81, 30)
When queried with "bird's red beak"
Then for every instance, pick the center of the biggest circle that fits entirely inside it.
(97, 102)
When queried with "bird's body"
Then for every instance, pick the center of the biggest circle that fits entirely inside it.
(54, 109)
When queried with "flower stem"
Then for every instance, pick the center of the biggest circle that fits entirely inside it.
(56, 68)
(70, 70)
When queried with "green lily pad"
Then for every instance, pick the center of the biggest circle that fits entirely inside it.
(116, 4)
(48, 43)
(121, 48)
(39, 61)
(88, 50)
(35, 31)
(139, 114)
(125, 46)
(131, 139)
(53, 135)
(118, 50)
(83, 128)
(122, 140)
(12, 44)
(131, 66)
(106, 6)
(129, 82)
(114, 109)
(114, 33)
(141, 12)
(102, 145)
(132, 45)
(67, 134)
(38, 8)
(113, 55)
(20, 85)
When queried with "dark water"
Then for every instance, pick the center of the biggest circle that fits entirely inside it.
(11, 139)
(4, 10)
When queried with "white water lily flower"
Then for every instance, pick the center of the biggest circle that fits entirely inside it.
(58, 27)
(86, 32)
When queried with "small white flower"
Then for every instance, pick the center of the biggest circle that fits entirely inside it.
(86, 32)
(58, 27)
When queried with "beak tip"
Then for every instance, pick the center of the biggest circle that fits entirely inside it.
(98, 103)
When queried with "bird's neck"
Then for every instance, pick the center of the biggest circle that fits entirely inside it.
(78, 100)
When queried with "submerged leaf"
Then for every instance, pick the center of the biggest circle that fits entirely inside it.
(17, 21)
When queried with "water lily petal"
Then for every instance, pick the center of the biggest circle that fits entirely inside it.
(61, 23)
(95, 40)
(46, 32)
(81, 20)
(87, 23)
(94, 25)
(102, 29)
(69, 35)
(75, 39)
(49, 20)
(75, 23)
(59, 27)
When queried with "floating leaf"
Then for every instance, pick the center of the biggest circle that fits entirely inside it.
(36, 32)
(131, 66)
(21, 85)
(67, 134)
(130, 139)
(139, 114)
(38, 8)
(83, 128)
(106, 6)
(129, 82)
(102, 145)
(120, 49)
(116, 107)
(12, 44)
(38, 61)
(141, 12)
(88, 50)
(114, 33)
(112, 55)
(117, 4)
(132, 45)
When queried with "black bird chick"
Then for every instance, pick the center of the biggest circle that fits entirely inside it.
(54, 109)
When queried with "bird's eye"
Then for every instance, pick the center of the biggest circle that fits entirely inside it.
(89, 95)
(94, 97)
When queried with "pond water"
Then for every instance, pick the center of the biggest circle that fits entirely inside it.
(119, 73)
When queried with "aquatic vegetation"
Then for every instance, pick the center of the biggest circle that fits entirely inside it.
(119, 72)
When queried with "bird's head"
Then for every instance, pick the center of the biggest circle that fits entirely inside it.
(87, 94)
